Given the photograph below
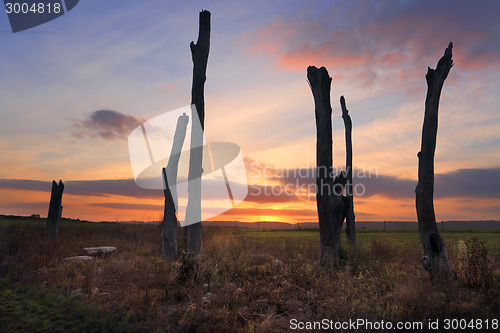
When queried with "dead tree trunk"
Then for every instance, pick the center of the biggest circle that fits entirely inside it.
(350, 229)
(199, 53)
(55, 209)
(169, 227)
(169, 224)
(436, 257)
(329, 192)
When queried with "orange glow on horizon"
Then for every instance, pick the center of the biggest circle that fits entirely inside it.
(121, 208)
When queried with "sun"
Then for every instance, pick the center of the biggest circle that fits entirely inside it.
(270, 218)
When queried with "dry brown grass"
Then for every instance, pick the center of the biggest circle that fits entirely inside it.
(238, 285)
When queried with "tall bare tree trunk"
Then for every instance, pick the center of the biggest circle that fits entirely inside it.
(55, 209)
(199, 53)
(350, 229)
(169, 225)
(328, 191)
(436, 257)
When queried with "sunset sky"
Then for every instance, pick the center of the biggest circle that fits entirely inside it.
(72, 90)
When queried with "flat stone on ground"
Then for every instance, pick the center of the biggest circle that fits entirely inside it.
(101, 250)
(79, 258)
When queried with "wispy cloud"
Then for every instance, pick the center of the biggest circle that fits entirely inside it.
(129, 206)
(29, 206)
(107, 124)
(473, 183)
(102, 187)
(269, 194)
(364, 37)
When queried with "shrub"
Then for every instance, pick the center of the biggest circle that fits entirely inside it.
(189, 262)
(474, 268)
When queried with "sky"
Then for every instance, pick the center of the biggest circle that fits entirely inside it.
(73, 89)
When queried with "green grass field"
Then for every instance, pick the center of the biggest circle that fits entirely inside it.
(257, 280)
(404, 237)
(25, 309)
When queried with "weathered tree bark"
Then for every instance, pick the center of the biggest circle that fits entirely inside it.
(329, 192)
(436, 257)
(55, 209)
(199, 53)
(350, 229)
(175, 154)
(169, 225)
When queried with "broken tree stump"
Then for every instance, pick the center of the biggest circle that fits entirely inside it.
(169, 225)
(169, 174)
(55, 209)
(350, 228)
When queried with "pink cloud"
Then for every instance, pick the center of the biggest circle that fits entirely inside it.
(383, 37)
(171, 86)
